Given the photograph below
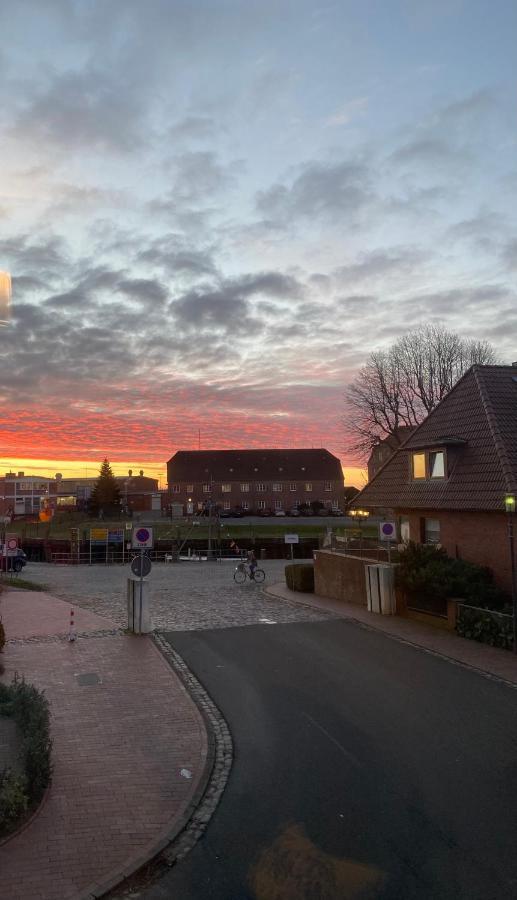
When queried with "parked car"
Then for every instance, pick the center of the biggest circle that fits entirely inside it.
(279, 512)
(14, 563)
(294, 512)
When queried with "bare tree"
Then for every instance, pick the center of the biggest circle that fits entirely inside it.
(398, 387)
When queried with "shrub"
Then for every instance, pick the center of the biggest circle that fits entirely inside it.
(300, 577)
(485, 626)
(13, 798)
(30, 710)
(427, 571)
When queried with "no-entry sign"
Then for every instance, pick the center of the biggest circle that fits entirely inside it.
(388, 531)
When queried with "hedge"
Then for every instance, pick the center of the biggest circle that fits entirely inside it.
(300, 577)
(485, 626)
(20, 792)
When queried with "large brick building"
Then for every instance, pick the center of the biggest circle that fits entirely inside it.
(447, 483)
(255, 480)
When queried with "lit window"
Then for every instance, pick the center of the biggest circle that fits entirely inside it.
(245, 504)
(308, 486)
(437, 464)
(278, 504)
(226, 504)
(432, 531)
(261, 504)
(245, 488)
(226, 488)
(418, 465)
(292, 487)
(328, 486)
(277, 487)
(190, 488)
(261, 488)
(206, 488)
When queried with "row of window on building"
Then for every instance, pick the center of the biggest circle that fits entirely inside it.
(245, 488)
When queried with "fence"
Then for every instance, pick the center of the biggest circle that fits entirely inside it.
(485, 625)
(116, 557)
(366, 547)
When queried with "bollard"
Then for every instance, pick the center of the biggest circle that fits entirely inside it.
(263, 553)
(71, 630)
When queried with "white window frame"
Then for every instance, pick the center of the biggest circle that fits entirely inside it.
(245, 488)
(260, 488)
(335, 504)
(226, 488)
(261, 504)
(308, 487)
(227, 504)
(292, 487)
(206, 488)
(245, 504)
(278, 504)
(190, 488)
(277, 487)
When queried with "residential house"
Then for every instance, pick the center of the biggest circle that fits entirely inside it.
(384, 449)
(448, 481)
(255, 480)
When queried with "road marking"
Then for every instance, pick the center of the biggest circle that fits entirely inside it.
(268, 621)
(351, 758)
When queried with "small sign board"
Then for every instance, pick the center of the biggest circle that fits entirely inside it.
(142, 538)
(141, 566)
(116, 536)
(388, 531)
(98, 535)
(291, 539)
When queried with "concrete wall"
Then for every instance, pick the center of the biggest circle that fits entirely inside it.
(480, 538)
(340, 577)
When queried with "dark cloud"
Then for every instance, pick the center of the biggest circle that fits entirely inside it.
(382, 264)
(509, 254)
(430, 152)
(174, 256)
(329, 191)
(145, 290)
(41, 258)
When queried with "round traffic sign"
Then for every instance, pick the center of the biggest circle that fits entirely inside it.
(141, 566)
(12, 544)
(388, 529)
(143, 535)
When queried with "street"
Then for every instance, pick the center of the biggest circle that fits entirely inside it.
(363, 768)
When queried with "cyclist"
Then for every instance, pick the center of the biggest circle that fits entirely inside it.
(252, 562)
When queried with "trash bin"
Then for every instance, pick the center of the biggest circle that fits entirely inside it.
(138, 612)
(263, 553)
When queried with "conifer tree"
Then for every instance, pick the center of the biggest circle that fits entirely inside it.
(105, 499)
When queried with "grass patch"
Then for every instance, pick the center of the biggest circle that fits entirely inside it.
(22, 583)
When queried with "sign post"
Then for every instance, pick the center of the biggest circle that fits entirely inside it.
(388, 532)
(142, 539)
(291, 539)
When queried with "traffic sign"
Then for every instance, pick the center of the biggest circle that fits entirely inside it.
(142, 538)
(141, 565)
(291, 539)
(388, 531)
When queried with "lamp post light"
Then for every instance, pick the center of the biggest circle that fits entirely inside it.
(509, 505)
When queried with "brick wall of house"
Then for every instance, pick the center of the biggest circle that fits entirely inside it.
(480, 538)
(340, 577)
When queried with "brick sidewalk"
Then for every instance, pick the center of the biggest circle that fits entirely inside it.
(488, 660)
(119, 747)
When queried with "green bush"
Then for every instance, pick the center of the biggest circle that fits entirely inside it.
(30, 710)
(300, 577)
(14, 800)
(486, 627)
(428, 572)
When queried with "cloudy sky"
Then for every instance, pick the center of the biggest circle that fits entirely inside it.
(213, 211)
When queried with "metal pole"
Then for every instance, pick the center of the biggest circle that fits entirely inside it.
(514, 580)
(141, 587)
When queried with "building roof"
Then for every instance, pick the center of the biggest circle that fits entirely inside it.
(477, 424)
(232, 465)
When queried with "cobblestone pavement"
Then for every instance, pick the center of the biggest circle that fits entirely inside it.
(184, 597)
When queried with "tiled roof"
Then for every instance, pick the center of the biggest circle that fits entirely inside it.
(232, 465)
(477, 423)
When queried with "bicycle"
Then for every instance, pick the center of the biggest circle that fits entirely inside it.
(243, 571)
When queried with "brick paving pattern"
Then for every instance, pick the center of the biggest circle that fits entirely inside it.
(185, 596)
(119, 747)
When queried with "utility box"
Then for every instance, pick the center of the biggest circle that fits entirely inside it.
(138, 611)
(380, 589)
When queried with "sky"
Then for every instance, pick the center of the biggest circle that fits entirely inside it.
(212, 212)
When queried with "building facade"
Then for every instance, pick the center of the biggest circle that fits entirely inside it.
(255, 481)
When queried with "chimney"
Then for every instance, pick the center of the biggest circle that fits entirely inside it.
(130, 473)
(141, 472)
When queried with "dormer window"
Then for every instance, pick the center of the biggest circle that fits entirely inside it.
(428, 464)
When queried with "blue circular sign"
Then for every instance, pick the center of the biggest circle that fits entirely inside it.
(387, 529)
(142, 535)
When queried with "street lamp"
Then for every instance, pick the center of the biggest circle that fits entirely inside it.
(509, 505)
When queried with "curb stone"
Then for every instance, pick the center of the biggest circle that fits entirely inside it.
(193, 823)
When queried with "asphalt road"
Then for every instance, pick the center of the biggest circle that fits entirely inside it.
(363, 768)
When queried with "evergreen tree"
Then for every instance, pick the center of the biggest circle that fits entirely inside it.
(105, 499)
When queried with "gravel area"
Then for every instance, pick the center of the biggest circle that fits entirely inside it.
(186, 596)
